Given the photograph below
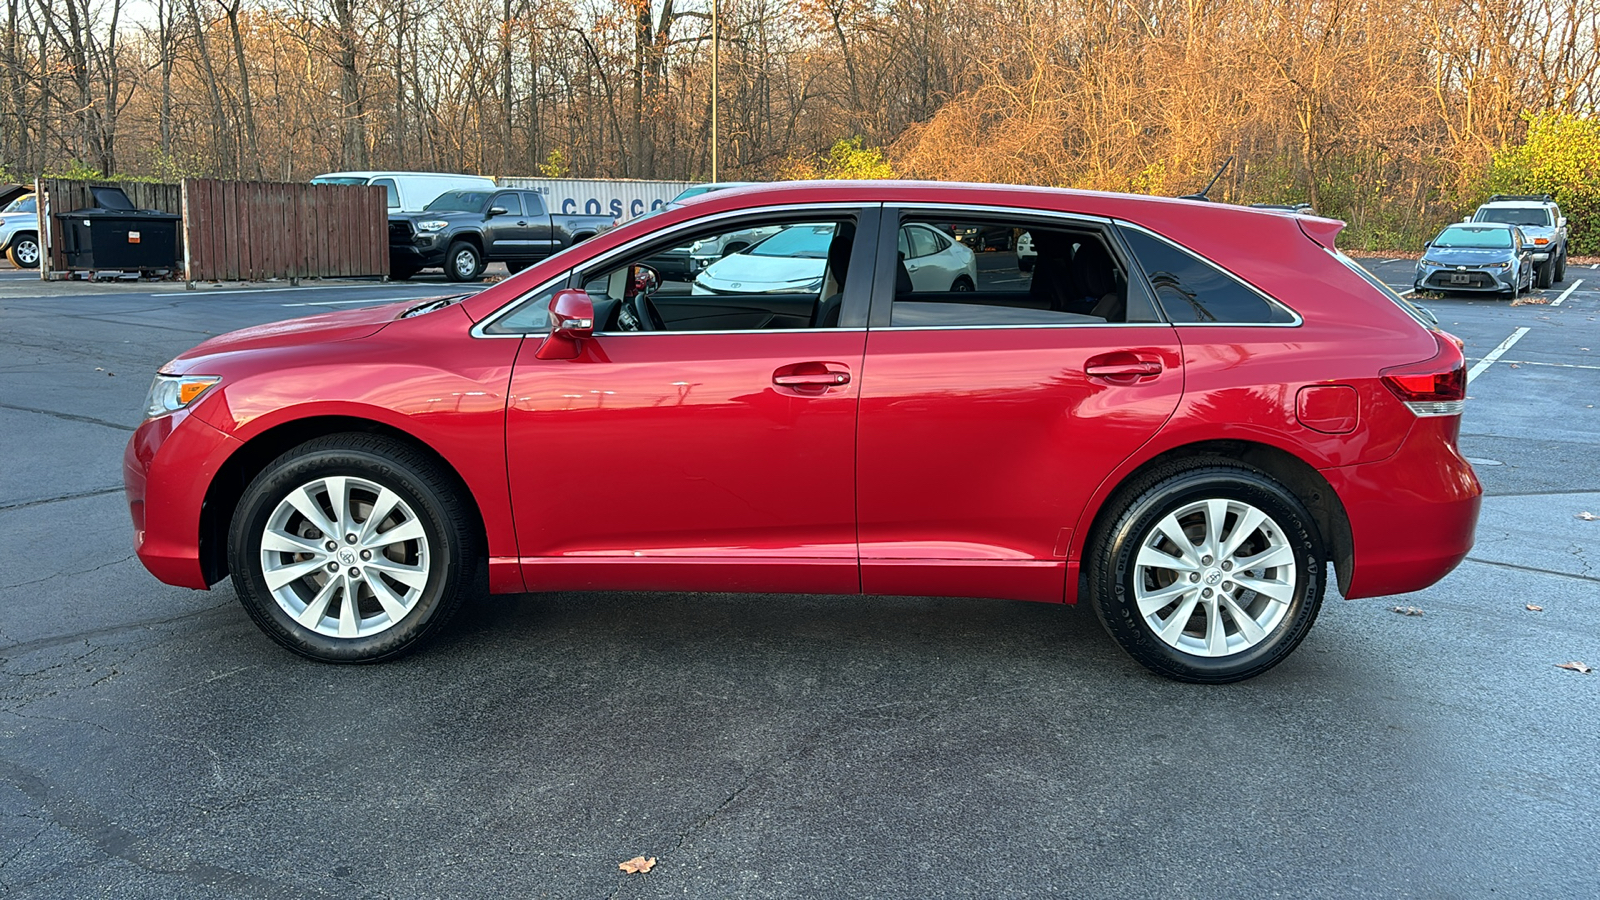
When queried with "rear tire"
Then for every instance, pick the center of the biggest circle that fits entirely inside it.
(24, 251)
(1235, 599)
(351, 548)
(962, 284)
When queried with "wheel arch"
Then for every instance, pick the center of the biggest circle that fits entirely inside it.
(1300, 477)
(466, 237)
(236, 473)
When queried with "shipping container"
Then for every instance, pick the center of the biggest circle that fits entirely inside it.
(621, 198)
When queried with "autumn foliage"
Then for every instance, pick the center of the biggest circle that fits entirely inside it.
(1393, 114)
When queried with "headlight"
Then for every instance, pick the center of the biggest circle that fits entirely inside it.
(1498, 265)
(170, 393)
(432, 225)
(1433, 262)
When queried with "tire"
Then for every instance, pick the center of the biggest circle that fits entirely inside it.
(1127, 570)
(401, 273)
(412, 593)
(1561, 266)
(1025, 265)
(24, 251)
(1543, 273)
(733, 248)
(516, 265)
(463, 262)
(962, 284)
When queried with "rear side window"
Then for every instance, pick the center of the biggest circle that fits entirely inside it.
(1193, 291)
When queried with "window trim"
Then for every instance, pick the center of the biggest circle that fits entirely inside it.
(1295, 319)
(894, 213)
(857, 282)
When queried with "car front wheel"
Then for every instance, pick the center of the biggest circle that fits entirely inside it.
(1208, 574)
(351, 548)
(463, 262)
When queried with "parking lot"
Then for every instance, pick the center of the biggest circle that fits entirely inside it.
(156, 744)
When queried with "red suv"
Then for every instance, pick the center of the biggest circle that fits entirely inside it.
(1182, 413)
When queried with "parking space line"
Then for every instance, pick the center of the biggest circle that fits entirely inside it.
(1529, 362)
(1496, 353)
(1566, 293)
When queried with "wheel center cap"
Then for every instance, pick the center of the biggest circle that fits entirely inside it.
(347, 557)
(1213, 577)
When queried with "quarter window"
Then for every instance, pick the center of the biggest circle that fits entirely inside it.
(1192, 290)
(394, 192)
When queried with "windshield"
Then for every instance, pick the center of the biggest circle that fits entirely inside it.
(797, 242)
(693, 192)
(345, 179)
(458, 201)
(22, 205)
(1516, 215)
(1474, 239)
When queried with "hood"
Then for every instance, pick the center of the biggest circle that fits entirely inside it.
(447, 215)
(1538, 231)
(753, 274)
(345, 325)
(1465, 257)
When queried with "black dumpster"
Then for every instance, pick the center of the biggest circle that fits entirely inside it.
(114, 235)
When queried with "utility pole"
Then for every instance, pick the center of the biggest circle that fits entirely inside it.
(715, 61)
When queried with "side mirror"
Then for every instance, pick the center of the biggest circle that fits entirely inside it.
(497, 210)
(1561, 222)
(571, 323)
(643, 280)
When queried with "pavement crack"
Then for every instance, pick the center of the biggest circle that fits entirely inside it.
(1506, 565)
(79, 495)
(69, 417)
(54, 575)
(16, 650)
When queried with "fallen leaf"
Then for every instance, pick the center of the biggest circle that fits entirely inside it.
(1575, 666)
(637, 865)
(1530, 301)
(1533, 608)
(1406, 610)
(1515, 366)
(1586, 516)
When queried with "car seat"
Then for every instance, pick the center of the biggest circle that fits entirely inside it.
(829, 307)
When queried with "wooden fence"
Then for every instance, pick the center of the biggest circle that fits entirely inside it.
(255, 230)
(245, 230)
(58, 195)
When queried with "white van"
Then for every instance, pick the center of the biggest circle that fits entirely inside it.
(410, 191)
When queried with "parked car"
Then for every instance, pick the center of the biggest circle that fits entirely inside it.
(981, 237)
(464, 231)
(19, 231)
(699, 189)
(1190, 411)
(1025, 252)
(1542, 224)
(410, 191)
(795, 258)
(1476, 257)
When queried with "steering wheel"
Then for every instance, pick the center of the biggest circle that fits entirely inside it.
(637, 313)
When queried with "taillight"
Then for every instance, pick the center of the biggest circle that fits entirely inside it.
(1435, 387)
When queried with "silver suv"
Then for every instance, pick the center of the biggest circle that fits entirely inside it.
(1541, 222)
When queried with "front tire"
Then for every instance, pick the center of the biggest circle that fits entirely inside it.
(1208, 572)
(1561, 266)
(24, 252)
(463, 262)
(351, 548)
(1544, 274)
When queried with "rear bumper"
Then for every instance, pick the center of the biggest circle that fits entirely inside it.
(1412, 516)
(167, 468)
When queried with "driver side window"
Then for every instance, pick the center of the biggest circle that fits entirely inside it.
(747, 276)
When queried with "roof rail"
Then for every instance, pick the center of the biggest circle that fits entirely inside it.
(1537, 198)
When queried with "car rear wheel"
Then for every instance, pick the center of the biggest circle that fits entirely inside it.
(463, 262)
(1208, 574)
(961, 284)
(351, 548)
(24, 252)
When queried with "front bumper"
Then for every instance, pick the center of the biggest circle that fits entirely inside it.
(1450, 278)
(421, 252)
(167, 468)
(1412, 516)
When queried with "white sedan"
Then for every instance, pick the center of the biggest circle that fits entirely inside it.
(795, 259)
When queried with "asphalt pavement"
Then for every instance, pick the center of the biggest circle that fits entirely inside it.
(154, 744)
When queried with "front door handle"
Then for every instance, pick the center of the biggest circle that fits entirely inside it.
(1115, 369)
(811, 378)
